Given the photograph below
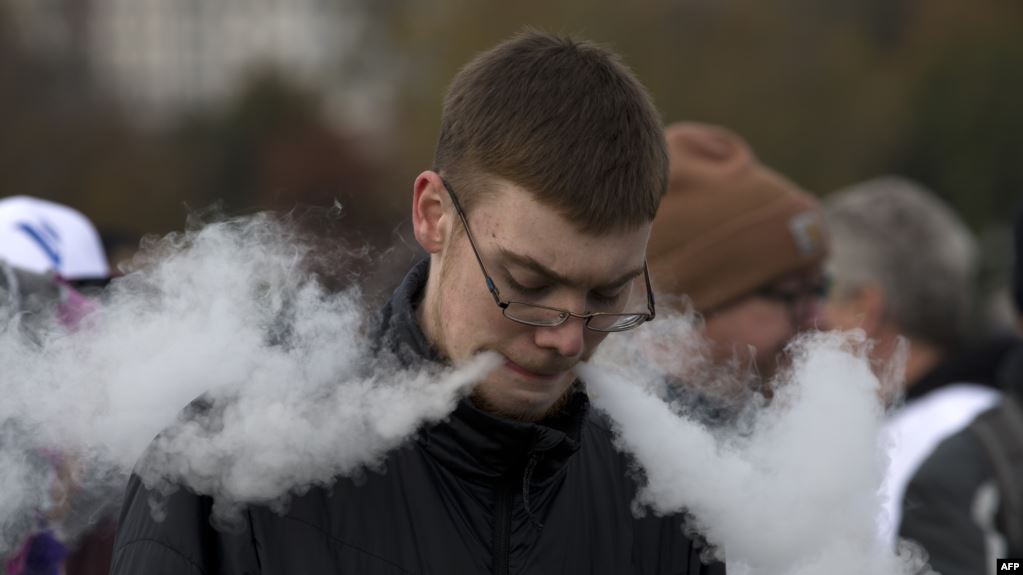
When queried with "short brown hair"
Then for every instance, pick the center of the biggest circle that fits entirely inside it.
(563, 118)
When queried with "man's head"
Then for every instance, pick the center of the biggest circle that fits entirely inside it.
(554, 152)
(902, 264)
(563, 119)
(45, 237)
(742, 243)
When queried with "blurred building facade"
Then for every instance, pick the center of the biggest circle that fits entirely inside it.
(160, 57)
(927, 89)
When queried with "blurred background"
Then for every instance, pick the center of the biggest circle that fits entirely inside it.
(137, 112)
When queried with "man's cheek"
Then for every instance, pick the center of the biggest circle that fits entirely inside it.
(592, 341)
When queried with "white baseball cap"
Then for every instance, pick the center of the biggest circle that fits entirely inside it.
(42, 236)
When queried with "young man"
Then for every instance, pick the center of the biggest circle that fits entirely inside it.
(548, 171)
(745, 246)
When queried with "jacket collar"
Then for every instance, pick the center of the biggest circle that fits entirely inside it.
(398, 330)
(978, 366)
(471, 442)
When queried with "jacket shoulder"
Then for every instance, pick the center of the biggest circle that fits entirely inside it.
(174, 534)
(957, 465)
(661, 541)
(947, 507)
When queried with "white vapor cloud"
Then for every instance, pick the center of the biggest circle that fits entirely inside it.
(229, 312)
(795, 489)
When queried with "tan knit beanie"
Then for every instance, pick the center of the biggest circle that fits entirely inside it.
(728, 224)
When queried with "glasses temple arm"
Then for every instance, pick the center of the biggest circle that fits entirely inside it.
(494, 292)
(649, 292)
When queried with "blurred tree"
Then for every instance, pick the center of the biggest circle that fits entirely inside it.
(273, 148)
(828, 93)
(965, 134)
(806, 82)
(64, 140)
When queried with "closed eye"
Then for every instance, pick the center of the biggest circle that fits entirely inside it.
(531, 291)
(607, 299)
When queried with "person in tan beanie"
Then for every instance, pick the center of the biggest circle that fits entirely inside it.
(742, 243)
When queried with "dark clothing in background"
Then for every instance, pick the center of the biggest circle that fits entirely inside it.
(952, 505)
(31, 301)
(473, 494)
(978, 365)
(91, 554)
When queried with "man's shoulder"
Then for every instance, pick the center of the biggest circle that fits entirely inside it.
(599, 437)
(957, 464)
(918, 428)
(951, 406)
(598, 422)
(160, 527)
(603, 462)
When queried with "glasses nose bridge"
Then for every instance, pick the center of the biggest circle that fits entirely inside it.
(557, 303)
(566, 315)
(565, 326)
(585, 317)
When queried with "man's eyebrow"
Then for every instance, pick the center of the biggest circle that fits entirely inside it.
(553, 276)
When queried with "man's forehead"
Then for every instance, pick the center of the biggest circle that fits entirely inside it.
(583, 274)
(527, 233)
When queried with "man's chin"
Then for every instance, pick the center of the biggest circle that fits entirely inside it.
(519, 406)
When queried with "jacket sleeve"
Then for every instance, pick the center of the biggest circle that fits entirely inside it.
(944, 507)
(174, 536)
(713, 569)
(697, 567)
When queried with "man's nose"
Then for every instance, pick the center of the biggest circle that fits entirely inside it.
(567, 339)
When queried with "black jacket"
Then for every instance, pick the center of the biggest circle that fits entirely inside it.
(952, 504)
(473, 494)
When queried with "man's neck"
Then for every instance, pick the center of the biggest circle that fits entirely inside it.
(426, 312)
(922, 358)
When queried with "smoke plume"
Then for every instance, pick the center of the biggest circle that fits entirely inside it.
(788, 487)
(228, 313)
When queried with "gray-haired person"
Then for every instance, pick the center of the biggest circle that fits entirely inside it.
(903, 268)
(964, 503)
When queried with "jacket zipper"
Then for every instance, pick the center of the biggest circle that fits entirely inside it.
(502, 527)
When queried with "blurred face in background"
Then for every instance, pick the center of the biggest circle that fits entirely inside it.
(756, 327)
(860, 307)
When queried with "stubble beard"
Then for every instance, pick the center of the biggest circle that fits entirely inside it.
(438, 341)
(483, 404)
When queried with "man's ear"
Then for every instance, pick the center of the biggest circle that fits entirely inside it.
(431, 218)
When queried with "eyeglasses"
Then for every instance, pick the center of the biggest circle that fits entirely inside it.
(816, 290)
(798, 299)
(545, 316)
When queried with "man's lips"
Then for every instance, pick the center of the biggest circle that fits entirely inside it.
(531, 374)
